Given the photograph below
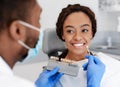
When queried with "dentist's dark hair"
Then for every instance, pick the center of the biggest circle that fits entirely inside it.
(11, 10)
(72, 9)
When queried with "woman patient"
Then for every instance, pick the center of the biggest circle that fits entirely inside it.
(76, 26)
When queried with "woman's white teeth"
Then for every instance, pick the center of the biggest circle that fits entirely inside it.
(78, 44)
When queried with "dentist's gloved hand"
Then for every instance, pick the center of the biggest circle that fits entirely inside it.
(95, 70)
(48, 78)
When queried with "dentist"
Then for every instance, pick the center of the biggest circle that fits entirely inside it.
(20, 40)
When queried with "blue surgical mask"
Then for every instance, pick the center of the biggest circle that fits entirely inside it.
(32, 52)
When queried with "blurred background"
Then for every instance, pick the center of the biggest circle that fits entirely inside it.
(107, 38)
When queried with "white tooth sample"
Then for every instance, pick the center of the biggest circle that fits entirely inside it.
(88, 49)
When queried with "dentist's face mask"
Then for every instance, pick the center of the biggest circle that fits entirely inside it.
(33, 52)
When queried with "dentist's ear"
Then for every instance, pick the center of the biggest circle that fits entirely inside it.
(17, 31)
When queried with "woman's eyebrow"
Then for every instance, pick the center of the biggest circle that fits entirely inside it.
(85, 25)
(69, 26)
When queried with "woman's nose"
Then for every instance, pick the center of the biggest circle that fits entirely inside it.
(78, 36)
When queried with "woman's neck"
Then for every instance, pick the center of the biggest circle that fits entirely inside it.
(75, 57)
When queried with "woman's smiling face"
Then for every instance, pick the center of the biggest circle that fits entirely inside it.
(77, 33)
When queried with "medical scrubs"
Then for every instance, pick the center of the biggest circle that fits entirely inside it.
(8, 79)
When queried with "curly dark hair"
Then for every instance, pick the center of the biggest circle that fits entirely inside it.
(72, 9)
(11, 10)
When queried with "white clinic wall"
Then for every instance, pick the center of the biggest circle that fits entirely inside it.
(52, 8)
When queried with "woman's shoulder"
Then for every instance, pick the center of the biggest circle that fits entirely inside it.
(112, 64)
(107, 57)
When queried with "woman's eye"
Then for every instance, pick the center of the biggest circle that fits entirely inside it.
(85, 30)
(70, 31)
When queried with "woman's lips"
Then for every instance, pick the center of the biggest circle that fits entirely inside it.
(78, 45)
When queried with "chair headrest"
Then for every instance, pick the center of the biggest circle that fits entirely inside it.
(51, 42)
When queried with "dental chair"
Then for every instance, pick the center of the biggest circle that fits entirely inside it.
(52, 45)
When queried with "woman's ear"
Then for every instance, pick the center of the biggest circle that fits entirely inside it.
(17, 31)
(91, 37)
(63, 37)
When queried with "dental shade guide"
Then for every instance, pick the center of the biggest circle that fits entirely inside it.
(65, 66)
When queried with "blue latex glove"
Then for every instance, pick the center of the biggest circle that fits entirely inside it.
(95, 70)
(48, 78)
